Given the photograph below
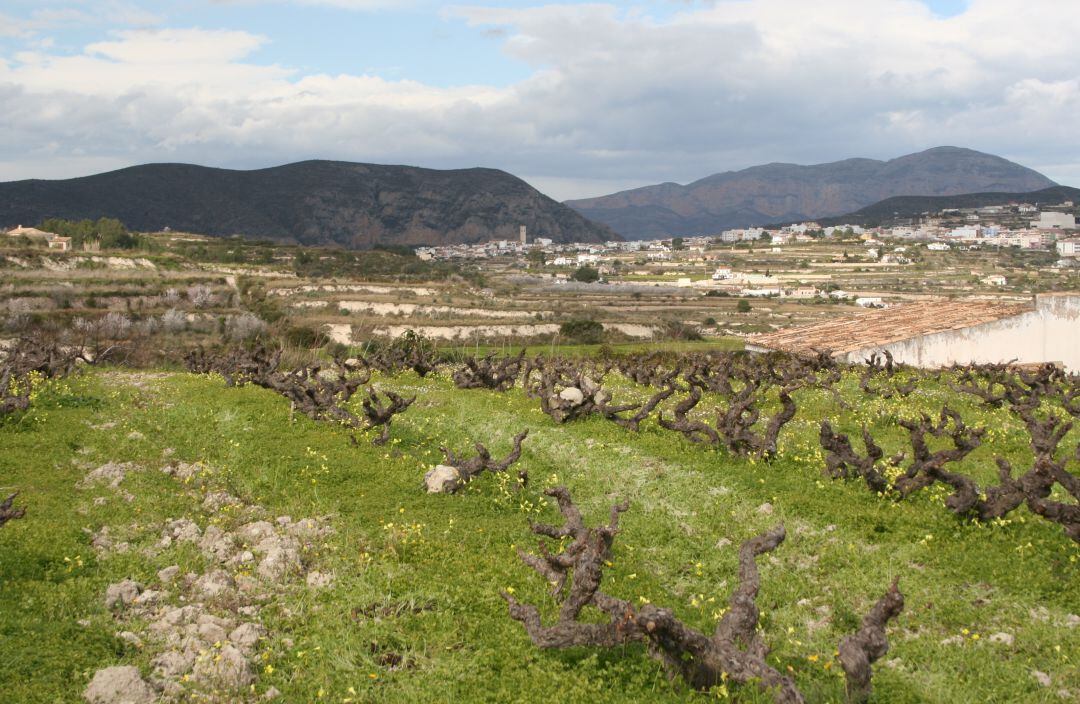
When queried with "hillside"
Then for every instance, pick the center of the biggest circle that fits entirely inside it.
(788, 192)
(884, 212)
(311, 202)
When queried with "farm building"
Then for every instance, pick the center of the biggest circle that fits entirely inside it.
(938, 334)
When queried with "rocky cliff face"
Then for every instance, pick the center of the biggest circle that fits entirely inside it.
(788, 192)
(313, 202)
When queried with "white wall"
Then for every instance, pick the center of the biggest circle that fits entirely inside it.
(1050, 333)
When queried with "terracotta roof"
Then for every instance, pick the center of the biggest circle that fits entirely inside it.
(877, 328)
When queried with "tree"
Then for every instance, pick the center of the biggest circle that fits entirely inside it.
(743, 306)
(535, 257)
(586, 274)
(583, 331)
(677, 243)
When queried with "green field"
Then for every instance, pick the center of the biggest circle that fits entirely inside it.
(414, 613)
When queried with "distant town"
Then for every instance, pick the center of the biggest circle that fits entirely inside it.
(1021, 226)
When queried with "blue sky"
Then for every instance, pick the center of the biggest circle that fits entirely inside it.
(416, 39)
(578, 98)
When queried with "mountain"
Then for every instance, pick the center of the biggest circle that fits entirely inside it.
(788, 192)
(311, 202)
(898, 207)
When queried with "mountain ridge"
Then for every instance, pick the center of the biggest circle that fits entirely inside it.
(315, 202)
(779, 192)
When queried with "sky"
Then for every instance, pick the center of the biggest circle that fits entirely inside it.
(578, 98)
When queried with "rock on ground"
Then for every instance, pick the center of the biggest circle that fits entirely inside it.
(444, 479)
(1003, 638)
(227, 669)
(572, 395)
(111, 472)
(319, 580)
(122, 593)
(119, 685)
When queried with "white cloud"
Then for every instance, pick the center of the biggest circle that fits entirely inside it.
(616, 98)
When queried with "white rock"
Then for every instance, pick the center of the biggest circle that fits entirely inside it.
(210, 630)
(172, 618)
(1003, 638)
(765, 509)
(129, 637)
(183, 530)
(217, 544)
(217, 500)
(319, 580)
(111, 472)
(444, 479)
(168, 574)
(280, 560)
(173, 663)
(148, 598)
(122, 593)
(1041, 677)
(246, 636)
(572, 395)
(119, 685)
(309, 529)
(255, 532)
(214, 584)
(228, 669)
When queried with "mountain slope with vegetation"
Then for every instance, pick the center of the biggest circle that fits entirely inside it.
(313, 202)
(790, 192)
(890, 209)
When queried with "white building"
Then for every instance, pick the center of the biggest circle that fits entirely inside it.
(967, 232)
(1069, 248)
(803, 293)
(1055, 221)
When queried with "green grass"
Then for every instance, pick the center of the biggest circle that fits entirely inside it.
(430, 592)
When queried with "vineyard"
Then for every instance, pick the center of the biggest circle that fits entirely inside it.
(409, 526)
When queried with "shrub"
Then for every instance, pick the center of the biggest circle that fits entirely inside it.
(173, 320)
(306, 336)
(244, 327)
(586, 274)
(743, 306)
(583, 331)
(200, 295)
(678, 330)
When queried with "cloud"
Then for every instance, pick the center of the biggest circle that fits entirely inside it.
(616, 97)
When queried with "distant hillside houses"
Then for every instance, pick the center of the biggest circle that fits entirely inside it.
(36, 236)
